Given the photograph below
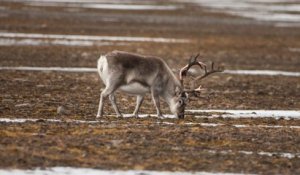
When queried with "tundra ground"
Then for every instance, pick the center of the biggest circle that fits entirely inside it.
(148, 143)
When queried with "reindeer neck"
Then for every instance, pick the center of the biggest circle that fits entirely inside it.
(169, 91)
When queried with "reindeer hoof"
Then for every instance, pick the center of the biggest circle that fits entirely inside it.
(135, 115)
(119, 116)
(160, 116)
(98, 116)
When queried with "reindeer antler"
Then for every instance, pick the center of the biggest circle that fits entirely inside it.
(207, 73)
(193, 61)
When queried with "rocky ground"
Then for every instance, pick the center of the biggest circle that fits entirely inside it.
(147, 143)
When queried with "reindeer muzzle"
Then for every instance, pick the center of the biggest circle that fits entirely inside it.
(181, 116)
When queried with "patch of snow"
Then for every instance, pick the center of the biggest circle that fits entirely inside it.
(197, 72)
(102, 5)
(166, 123)
(266, 126)
(294, 49)
(234, 125)
(3, 8)
(7, 100)
(130, 7)
(79, 1)
(90, 171)
(24, 120)
(86, 69)
(58, 69)
(261, 153)
(204, 124)
(286, 24)
(250, 113)
(262, 72)
(285, 155)
(90, 38)
(47, 42)
(23, 105)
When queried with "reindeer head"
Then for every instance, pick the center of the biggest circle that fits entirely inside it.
(182, 95)
(178, 102)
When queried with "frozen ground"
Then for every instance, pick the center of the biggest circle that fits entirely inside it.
(256, 132)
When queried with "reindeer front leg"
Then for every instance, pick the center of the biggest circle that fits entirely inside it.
(155, 98)
(139, 101)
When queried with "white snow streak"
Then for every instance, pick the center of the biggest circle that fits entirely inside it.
(105, 6)
(90, 171)
(277, 114)
(294, 49)
(260, 153)
(58, 69)
(234, 125)
(24, 120)
(262, 72)
(50, 42)
(88, 69)
(90, 37)
(100, 4)
(249, 113)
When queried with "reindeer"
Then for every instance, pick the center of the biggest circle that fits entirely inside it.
(137, 75)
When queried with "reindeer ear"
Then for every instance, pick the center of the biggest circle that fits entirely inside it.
(186, 98)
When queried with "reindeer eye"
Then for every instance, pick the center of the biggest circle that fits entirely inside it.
(180, 102)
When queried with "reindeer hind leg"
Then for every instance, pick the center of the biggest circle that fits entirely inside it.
(112, 99)
(110, 88)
